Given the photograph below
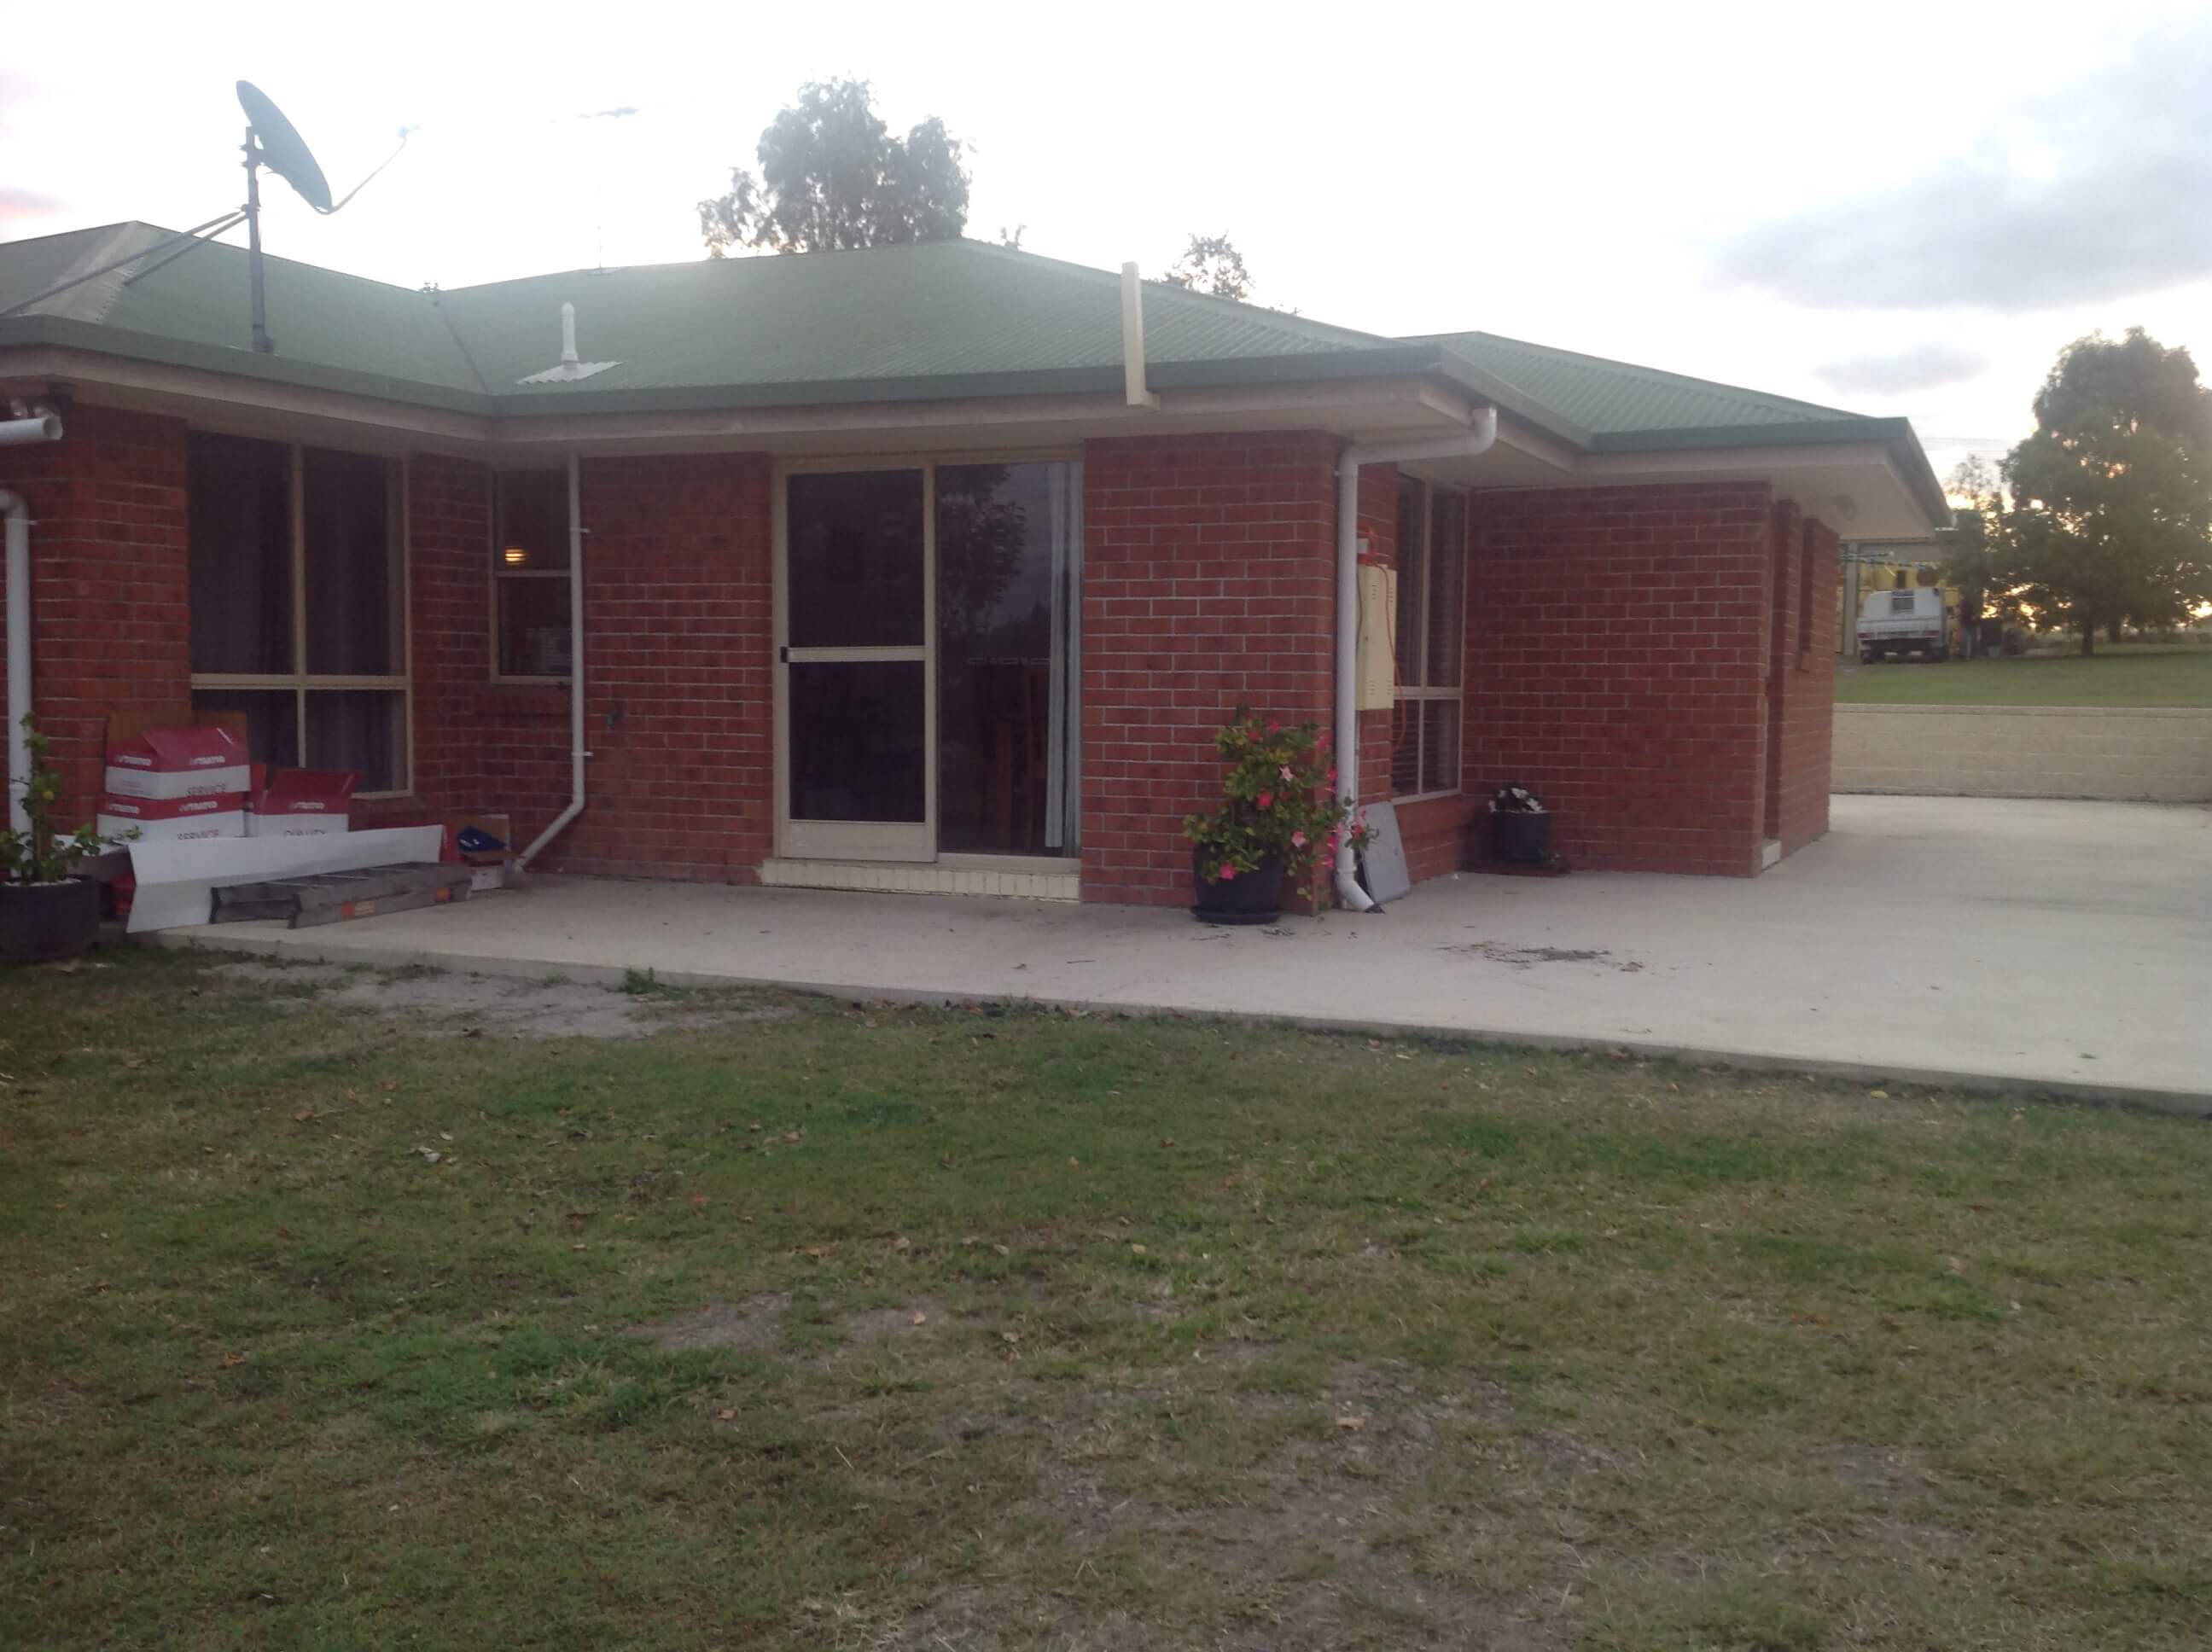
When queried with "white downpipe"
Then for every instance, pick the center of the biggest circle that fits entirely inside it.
(577, 754)
(1475, 440)
(19, 655)
(42, 425)
(39, 427)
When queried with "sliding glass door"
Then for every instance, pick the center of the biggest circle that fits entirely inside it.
(929, 661)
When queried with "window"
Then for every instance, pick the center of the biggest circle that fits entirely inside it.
(1429, 641)
(298, 603)
(530, 574)
(1900, 602)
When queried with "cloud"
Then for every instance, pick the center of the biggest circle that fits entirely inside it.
(1924, 367)
(2096, 192)
(23, 205)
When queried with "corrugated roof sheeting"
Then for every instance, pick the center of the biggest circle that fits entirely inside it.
(886, 321)
(1604, 397)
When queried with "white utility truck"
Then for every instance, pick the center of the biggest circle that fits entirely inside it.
(1903, 622)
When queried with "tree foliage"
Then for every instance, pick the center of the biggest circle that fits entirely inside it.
(2109, 514)
(833, 175)
(1212, 263)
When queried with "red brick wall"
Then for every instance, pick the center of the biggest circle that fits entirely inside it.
(109, 622)
(1801, 757)
(1209, 579)
(1617, 656)
(677, 619)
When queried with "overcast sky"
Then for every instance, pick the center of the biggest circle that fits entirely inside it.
(1889, 209)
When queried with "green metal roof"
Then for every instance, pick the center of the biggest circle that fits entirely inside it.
(928, 322)
(1613, 397)
(317, 316)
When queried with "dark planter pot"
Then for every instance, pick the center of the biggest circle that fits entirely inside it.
(1520, 839)
(48, 920)
(1250, 897)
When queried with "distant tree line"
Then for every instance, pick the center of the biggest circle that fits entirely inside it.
(2102, 518)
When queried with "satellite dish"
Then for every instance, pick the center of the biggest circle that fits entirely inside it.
(284, 151)
(273, 142)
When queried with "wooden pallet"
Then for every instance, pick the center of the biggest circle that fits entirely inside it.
(330, 897)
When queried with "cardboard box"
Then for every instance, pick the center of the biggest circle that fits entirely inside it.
(171, 820)
(489, 869)
(301, 803)
(177, 762)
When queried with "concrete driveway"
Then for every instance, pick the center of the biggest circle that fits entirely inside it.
(2042, 945)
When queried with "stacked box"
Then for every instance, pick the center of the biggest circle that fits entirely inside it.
(179, 762)
(301, 803)
(169, 820)
(166, 784)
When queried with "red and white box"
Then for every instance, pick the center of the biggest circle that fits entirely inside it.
(178, 762)
(171, 820)
(301, 803)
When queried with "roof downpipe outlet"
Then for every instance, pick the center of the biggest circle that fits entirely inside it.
(1133, 340)
(1476, 439)
(578, 756)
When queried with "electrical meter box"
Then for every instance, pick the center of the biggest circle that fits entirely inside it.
(1378, 613)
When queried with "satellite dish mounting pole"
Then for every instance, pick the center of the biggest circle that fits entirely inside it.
(262, 343)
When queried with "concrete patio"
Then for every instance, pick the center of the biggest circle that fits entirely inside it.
(2037, 946)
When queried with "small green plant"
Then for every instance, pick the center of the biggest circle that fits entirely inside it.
(35, 855)
(645, 983)
(1278, 800)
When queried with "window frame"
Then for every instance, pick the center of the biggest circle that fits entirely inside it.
(1406, 695)
(495, 514)
(302, 682)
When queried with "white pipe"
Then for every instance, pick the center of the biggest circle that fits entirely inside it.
(1465, 445)
(39, 426)
(577, 754)
(1133, 340)
(18, 653)
(568, 334)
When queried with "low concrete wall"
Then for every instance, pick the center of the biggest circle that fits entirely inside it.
(2150, 754)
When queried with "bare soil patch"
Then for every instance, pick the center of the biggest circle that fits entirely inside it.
(501, 1006)
(754, 1325)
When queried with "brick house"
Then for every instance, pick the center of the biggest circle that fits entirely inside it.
(922, 567)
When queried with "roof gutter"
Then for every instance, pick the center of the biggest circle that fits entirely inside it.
(1477, 439)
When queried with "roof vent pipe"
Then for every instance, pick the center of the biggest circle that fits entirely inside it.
(1133, 340)
(569, 357)
(1476, 439)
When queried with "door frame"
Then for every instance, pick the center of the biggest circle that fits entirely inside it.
(888, 841)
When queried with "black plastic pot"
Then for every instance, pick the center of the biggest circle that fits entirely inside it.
(48, 920)
(1250, 897)
(1520, 838)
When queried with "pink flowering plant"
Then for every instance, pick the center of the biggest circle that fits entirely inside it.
(1280, 799)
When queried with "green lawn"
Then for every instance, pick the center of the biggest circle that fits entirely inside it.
(333, 1326)
(2131, 674)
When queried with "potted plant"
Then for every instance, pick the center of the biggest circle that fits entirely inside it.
(1279, 822)
(46, 911)
(1519, 829)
